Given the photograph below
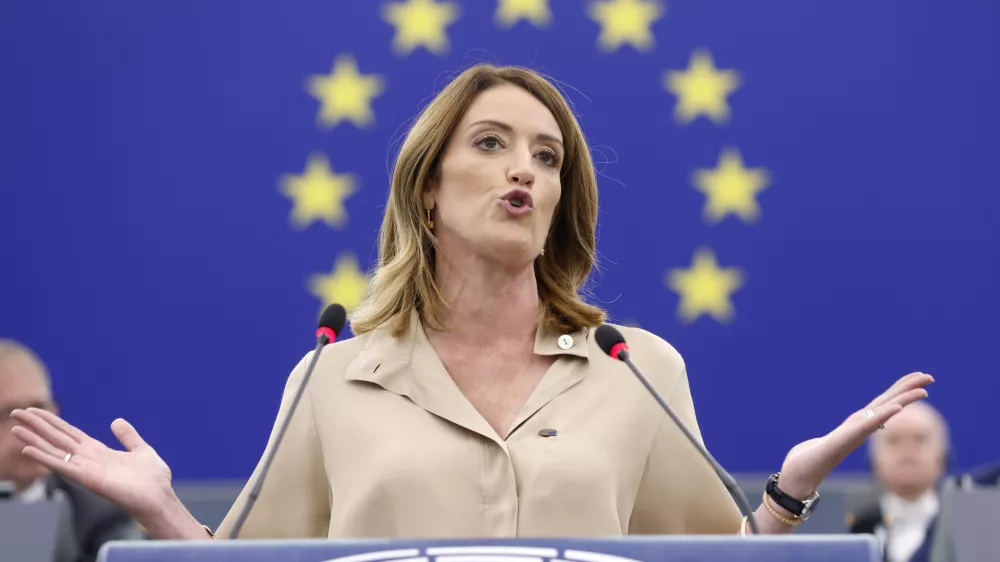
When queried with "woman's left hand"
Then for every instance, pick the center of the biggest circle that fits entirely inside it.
(808, 463)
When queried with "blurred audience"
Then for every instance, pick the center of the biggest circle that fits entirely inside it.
(909, 458)
(88, 520)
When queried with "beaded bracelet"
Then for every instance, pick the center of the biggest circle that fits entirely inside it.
(778, 516)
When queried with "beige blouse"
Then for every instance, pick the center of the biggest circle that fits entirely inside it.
(385, 445)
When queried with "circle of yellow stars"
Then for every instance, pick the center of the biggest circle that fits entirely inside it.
(703, 90)
(346, 95)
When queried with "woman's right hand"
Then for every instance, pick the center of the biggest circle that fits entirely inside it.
(136, 479)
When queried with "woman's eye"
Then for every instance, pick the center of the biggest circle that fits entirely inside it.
(489, 142)
(548, 158)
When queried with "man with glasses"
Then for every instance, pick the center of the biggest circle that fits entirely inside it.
(89, 521)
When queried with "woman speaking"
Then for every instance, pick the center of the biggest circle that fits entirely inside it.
(474, 400)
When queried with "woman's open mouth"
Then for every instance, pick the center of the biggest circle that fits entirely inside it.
(517, 202)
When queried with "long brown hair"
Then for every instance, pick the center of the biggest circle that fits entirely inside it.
(404, 278)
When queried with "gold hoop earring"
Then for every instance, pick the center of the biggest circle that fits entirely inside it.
(430, 222)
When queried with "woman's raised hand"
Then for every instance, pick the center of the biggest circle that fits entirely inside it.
(808, 463)
(136, 479)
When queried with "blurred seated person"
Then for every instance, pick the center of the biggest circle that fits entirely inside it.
(909, 459)
(89, 520)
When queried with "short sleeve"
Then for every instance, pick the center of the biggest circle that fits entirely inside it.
(679, 492)
(294, 501)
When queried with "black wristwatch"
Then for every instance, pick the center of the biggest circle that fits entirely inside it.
(801, 509)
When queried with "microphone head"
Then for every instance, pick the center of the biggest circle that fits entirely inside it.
(610, 340)
(331, 322)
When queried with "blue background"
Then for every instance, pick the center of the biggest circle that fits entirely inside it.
(147, 254)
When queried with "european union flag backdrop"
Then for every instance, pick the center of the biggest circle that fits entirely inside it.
(800, 196)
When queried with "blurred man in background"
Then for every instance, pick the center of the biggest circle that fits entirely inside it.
(89, 521)
(909, 458)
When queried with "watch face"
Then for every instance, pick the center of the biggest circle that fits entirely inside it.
(810, 506)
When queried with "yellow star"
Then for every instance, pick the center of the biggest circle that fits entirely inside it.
(705, 288)
(346, 284)
(420, 23)
(510, 12)
(625, 21)
(701, 89)
(731, 188)
(318, 194)
(345, 94)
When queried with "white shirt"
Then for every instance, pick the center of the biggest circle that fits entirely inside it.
(34, 493)
(905, 524)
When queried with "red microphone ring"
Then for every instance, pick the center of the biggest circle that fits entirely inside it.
(330, 334)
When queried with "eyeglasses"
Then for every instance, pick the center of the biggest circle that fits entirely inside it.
(7, 410)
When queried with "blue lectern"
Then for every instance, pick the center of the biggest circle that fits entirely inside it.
(803, 548)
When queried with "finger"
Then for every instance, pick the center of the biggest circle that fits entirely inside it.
(29, 437)
(56, 464)
(127, 435)
(916, 383)
(903, 385)
(857, 428)
(62, 425)
(882, 415)
(853, 432)
(908, 398)
(902, 381)
(885, 412)
(31, 419)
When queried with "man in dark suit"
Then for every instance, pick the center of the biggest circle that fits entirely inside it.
(909, 458)
(88, 520)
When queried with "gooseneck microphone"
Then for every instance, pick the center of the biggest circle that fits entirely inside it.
(612, 342)
(330, 324)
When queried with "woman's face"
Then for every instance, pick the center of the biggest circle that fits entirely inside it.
(498, 183)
